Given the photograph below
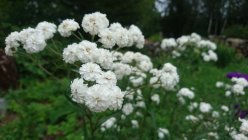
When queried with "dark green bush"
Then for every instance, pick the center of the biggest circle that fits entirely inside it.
(236, 31)
(225, 55)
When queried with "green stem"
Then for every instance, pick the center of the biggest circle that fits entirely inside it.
(77, 36)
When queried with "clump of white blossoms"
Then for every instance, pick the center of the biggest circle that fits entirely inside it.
(108, 124)
(205, 107)
(94, 23)
(243, 131)
(127, 108)
(244, 126)
(67, 27)
(239, 85)
(102, 66)
(169, 43)
(162, 132)
(185, 93)
(32, 40)
(166, 78)
(155, 98)
(179, 45)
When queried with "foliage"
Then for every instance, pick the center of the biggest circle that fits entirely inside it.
(237, 31)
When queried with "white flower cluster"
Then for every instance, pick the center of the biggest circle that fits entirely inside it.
(127, 109)
(169, 43)
(33, 40)
(135, 101)
(167, 77)
(67, 27)
(98, 24)
(111, 122)
(102, 67)
(87, 51)
(162, 132)
(185, 93)
(239, 86)
(244, 127)
(179, 45)
(243, 131)
(205, 107)
(103, 95)
(155, 98)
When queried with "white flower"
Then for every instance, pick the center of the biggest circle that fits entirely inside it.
(115, 26)
(240, 81)
(239, 137)
(25, 33)
(224, 108)
(155, 98)
(117, 55)
(122, 38)
(194, 37)
(191, 118)
(211, 55)
(90, 71)
(169, 81)
(192, 106)
(168, 43)
(205, 107)
(137, 36)
(127, 108)
(206, 44)
(145, 66)
(94, 23)
(78, 90)
(104, 58)
(182, 40)
(139, 114)
(67, 27)
(135, 123)
(175, 54)
(162, 132)
(108, 123)
(244, 126)
(121, 70)
(169, 68)
(107, 38)
(228, 93)
(219, 84)
(214, 135)
(108, 78)
(86, 51)
(48, 29)
(140, 104)
(238, 89)
(136, 81)
(215, 114)
(128, 57)
(69, 53)
(153, 81)
(10, 50)
(12, 40)
(99, 98)
(35, 42)
(185, 92)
